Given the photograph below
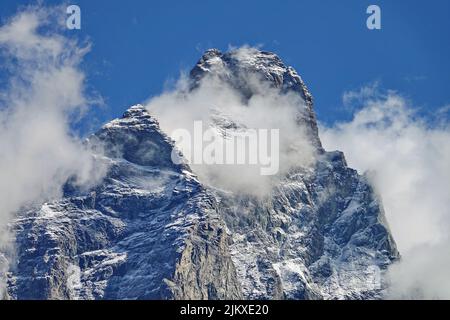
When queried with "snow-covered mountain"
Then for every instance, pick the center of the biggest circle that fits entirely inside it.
(152, 230)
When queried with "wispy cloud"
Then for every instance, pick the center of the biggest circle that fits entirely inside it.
(44, 90)
(354, 98)
(409, 163)
(415, 78)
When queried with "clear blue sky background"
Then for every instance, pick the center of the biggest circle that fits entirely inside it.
(138, 45)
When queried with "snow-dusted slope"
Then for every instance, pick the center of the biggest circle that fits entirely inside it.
(148, 231)
(152, 230)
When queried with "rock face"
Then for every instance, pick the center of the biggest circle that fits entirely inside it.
(152, 230)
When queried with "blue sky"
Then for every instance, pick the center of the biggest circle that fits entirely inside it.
(139, 46)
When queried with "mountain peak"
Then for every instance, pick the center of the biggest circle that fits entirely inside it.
(137, 138)
(136, 117)
(235, 66)
(136, 110)
(244, 57)
(251, 60)
(210, 53)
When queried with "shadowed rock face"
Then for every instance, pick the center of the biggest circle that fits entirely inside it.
(152, 230)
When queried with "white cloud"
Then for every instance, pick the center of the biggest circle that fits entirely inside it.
(215, 101)
(409, 162)
(352, 97)
(44, 90)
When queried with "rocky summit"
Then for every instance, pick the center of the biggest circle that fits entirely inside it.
(152, 230)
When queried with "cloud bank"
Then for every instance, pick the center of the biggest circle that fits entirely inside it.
(44, 89)
(408, 160)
